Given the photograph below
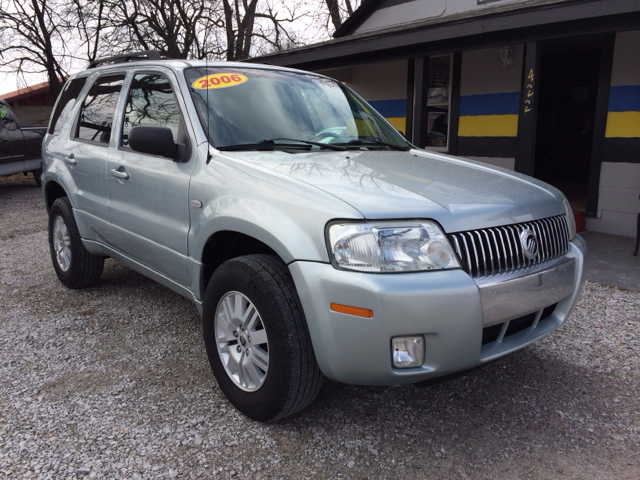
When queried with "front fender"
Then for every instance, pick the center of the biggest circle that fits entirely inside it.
(260, 221)
(287, 215)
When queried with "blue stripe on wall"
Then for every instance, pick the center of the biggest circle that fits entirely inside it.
(624, 98)
(490, 104)
(390, 108)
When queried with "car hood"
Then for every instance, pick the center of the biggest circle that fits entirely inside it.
(459, 194)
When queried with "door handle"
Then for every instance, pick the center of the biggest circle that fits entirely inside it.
(119, 173)
(71, 159)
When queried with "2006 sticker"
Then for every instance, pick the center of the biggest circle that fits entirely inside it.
(219, 80)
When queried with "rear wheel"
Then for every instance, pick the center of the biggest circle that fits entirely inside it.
(74, 265)
(257, 340)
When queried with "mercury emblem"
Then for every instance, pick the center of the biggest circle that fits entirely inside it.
(529, 243)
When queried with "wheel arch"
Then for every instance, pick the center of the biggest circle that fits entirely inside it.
(226, 245)
(52, 191)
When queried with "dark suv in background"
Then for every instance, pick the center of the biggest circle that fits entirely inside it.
(20, 147)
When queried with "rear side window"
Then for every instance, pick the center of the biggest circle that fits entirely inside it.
(151, 102)
(67, 100)
(6, 118)
(98, 109)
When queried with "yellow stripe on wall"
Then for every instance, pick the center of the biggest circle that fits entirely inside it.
(488, 126)
(399, 123)
(623, 124)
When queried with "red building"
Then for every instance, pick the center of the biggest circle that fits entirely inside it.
(32, 105)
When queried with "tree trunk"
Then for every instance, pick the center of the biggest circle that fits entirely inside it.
(334, 12)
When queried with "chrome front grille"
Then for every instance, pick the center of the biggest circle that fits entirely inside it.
(491, 251)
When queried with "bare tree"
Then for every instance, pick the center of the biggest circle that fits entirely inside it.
(89, 21)
(254, 26)
(31, 40)
(176, 28)
(55, 37)
(340, 10)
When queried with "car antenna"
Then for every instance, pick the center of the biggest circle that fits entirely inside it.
(206, 69)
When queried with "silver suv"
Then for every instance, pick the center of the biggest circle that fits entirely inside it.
(313, 238)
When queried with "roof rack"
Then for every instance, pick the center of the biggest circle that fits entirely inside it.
(127, 57)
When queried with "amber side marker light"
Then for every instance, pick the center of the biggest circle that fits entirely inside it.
(358, 312)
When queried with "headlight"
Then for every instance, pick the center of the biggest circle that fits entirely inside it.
(390, 246)
(570, 218)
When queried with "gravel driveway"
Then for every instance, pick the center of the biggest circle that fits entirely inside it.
(113, 382)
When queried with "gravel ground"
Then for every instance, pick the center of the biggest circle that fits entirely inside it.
(113, 382)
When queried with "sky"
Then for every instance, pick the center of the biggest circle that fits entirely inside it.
(9, 82)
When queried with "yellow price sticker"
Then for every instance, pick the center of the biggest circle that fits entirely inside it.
(219, 80)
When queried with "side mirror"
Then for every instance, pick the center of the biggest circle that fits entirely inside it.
(154, 141)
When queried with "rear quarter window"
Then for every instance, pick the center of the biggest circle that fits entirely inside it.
(65, 104)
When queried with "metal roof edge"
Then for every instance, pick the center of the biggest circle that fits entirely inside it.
(357, 18)
(579, 10)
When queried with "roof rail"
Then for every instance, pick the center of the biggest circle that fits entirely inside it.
(127, 57)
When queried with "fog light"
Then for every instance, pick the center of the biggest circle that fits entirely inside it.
(407, 352)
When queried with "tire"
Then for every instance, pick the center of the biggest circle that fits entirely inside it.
(36, 177)
(75, 267)
(285, 380)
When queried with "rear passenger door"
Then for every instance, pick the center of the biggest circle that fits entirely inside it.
(84, 150)
(149, 205)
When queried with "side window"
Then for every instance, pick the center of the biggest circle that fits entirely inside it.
(7, 118)
(98, 108)
(151, 102)
(67, 100)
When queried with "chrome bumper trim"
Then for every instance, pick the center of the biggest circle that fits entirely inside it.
(506, 300)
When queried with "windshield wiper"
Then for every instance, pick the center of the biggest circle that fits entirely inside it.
(271, 142)
(261, 146)
(328, 146)
(404, 148)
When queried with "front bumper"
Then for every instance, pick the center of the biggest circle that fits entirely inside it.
(446, 307)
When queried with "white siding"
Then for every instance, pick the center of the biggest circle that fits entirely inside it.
(380, 81)
(482, 71)
(618, 204)
(626, 59)
(411, 11)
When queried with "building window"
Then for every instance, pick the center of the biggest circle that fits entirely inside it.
(438, 102)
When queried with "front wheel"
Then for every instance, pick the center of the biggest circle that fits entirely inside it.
(257, 339)
(74, 265)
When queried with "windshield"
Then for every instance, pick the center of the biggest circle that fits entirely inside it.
(256, 108)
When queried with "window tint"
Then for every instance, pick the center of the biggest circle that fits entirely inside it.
(151, 102)
(67, 100)
(98, 108)
(7, 118)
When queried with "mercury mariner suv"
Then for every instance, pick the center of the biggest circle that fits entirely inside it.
(312, 237)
